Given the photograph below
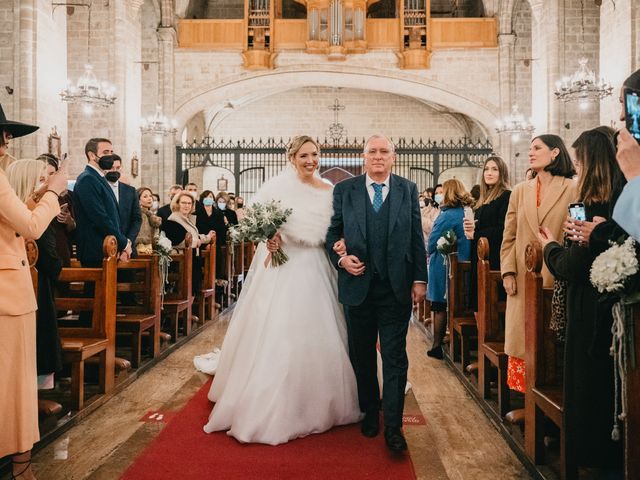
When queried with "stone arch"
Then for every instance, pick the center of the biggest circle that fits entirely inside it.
(255, 85)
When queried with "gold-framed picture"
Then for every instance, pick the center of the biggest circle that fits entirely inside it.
(55, 143)
(222, 184)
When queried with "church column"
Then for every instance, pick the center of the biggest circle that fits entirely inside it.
(166, 150)
(506, 82)
(25, 111)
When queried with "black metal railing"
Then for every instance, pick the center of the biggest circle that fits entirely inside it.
(251, 162)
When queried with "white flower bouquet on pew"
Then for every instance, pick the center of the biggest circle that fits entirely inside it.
(447, 242)
(260, 223)
(162, 247)
(616, 275)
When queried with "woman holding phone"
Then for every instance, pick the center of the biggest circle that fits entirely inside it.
(534, 204)
(588, 370)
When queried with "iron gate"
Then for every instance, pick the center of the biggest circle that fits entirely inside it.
(253, 162)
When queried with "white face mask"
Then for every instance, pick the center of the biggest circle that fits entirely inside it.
(438, 197)
(194, 195)
(222, 205)
(154, 205)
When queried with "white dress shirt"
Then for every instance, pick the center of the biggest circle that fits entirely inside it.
(385, 190)
(114, 187)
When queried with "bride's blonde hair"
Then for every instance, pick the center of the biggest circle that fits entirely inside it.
(296, 144)
(24, 175)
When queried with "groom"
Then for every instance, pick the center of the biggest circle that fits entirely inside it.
(383, 271)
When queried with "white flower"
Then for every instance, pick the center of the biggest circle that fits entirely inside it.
(441, 242)
(614, 266)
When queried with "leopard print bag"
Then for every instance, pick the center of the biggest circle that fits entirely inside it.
(558, 321)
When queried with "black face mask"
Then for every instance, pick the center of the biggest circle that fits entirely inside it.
(106, 162)
(239, 205)
(112, 177)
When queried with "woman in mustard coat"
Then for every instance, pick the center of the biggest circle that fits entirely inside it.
(18, 375)
(540, 202)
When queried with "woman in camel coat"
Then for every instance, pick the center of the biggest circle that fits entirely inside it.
(18, 375)
(535, 203)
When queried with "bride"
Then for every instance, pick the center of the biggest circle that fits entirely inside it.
(284, 371)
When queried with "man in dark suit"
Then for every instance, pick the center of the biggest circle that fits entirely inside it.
(383, 269)
(96, 207)
(165, 211)
(128, 203)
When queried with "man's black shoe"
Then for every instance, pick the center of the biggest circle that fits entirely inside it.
(394, 439)
(370, 424)
(435, 352)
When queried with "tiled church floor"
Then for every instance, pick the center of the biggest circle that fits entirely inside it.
(458, 442)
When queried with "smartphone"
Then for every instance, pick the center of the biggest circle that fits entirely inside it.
(632, 112)
(468, 213)
(577, 212)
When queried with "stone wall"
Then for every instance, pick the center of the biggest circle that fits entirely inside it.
(7, 49)
(307, 111)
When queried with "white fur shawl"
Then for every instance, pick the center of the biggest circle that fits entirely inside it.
(311, 207)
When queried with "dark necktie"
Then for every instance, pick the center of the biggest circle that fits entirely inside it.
(377, 197)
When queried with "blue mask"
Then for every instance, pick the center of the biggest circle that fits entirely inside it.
(207, 201)
(438, 197)
(222, 205)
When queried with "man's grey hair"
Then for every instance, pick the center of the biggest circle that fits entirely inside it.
(376, 136)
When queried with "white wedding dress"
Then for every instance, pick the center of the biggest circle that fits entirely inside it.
(284, 369)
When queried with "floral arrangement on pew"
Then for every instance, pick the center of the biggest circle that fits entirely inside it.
(162, 247)
(446, 245)
(616, 275)
(260, 223)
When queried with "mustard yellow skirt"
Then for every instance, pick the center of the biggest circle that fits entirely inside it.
(18, 384)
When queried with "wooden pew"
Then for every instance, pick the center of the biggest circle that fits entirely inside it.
(237, 273)
(249, 250)
(80, 343)
(206, 297)
(134, 320)
(177, 304)
(632, 422)
(544, 395)
(490, 320)
(462, 323)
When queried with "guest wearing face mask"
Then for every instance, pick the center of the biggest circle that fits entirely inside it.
(231, 218)
(96, 207)
(438, 196)
(211, 218)
(155, 203)
(150, 222)
(240, 208)
(128, 203)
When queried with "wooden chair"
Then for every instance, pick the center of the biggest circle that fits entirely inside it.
(462, 323)
(206, 297)
(79, 343)
(544, 395)
(490, 321)
(178, 303)
(135, 320)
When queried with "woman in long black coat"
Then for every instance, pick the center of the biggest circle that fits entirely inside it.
(588, 370)
(490, 211)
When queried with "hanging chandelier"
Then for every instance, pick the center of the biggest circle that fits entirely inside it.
(582, 86)
(158, 124)
(88, 91)
(515, 123)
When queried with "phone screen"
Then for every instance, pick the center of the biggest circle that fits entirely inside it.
(632, 112)
(576, 210)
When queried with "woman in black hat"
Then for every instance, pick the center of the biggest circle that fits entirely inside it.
(19, 403)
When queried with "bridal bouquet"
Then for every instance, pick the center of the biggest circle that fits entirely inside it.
(162, 247)
(260, 223)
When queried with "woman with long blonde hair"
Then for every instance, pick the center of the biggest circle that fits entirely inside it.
(455, 198)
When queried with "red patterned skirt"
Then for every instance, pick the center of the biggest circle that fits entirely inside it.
(516, 374)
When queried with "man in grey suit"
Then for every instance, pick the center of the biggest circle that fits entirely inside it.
(383, 270)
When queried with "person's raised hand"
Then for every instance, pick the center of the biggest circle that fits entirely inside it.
(579, 230)
(58, 181)
(353, 265)
(628, 155)
(469, 228)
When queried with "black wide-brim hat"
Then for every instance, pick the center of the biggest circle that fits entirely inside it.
(16, 129)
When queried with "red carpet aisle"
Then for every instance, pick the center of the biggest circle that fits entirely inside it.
(184, 451)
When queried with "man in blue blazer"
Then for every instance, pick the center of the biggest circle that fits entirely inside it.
(96, 207)
(128, 203)
(383, 269)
